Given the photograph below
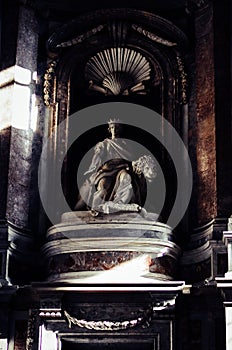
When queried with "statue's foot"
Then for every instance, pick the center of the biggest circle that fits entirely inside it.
(94, 212)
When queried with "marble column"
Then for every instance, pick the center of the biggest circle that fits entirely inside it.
(22, 120)
(205, 186)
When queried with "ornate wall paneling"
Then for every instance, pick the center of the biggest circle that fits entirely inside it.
(149, 53)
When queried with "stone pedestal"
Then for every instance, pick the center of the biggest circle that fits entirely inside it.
(123, 247)
(133, 317)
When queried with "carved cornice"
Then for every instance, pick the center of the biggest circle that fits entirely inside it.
(110, 17)
(120, 33)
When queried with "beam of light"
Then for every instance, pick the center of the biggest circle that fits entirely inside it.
(34, 113)
(47, 339)
(3, 344)
(21, 107)
(130, 272)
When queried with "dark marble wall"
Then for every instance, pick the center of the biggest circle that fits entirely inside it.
(8, 33)
(200, 320)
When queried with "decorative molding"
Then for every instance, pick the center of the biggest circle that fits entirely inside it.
(195, 256)
(152, 36)
(31, 328)
(183, 77)
(80, 38)
(50, 314)
(50, 306)
(48, 85)
(112, 15)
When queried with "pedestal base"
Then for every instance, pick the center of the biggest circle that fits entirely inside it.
(124, 247)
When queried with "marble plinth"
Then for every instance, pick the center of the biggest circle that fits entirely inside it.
(123, 247)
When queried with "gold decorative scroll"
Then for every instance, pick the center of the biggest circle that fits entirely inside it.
(49, 83)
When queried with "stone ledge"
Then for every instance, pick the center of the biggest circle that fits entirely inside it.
(15, 74)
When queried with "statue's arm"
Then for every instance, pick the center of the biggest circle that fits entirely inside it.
(97, 158)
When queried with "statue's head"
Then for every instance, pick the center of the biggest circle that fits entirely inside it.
(146, 165)
(114, 126)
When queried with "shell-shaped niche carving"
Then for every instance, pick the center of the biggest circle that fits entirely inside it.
(118, 71)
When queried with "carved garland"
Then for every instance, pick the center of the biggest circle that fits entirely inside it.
(79, 39)
(109, 325)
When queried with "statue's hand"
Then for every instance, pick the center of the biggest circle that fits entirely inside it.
(144, 213)
(90, 171)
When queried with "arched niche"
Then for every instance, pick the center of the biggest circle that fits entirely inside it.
(72, 47)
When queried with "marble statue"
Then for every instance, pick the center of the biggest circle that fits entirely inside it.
(121, 185)
(115, 181)
(113, 147)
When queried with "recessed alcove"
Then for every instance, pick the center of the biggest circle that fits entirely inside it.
(142, 141)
